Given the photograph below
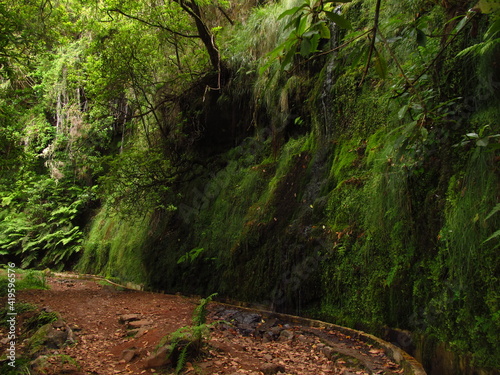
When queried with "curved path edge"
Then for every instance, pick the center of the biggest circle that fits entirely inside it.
(410, 365)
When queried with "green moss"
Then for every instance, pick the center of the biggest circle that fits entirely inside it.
(112, 248)
(37, 341)
(369, 181)
(25, 279)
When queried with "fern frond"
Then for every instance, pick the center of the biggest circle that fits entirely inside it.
(181, 361)
(200, 312)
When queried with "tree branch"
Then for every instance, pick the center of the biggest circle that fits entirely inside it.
(374, 37)
(226, 15)
(152, 24)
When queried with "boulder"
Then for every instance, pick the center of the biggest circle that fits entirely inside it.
(159, 359)
(51, 336)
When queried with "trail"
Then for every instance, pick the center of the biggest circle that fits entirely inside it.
(253, 343)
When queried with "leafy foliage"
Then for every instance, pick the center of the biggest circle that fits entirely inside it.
(103, 105)
(29, 279)
(40, 224)
(309, 23)
(187, 342)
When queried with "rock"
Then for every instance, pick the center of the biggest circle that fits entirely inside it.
(246, 329)
(55, 338)
(276, 330)
(267, 325)
(400, 338)
(240, 317)
(137, 332)
(70, 339)
(327, 351)
(286, 335)
(140, 332)
(268, 336)
(74, 327)
(139, 323)
(128, 354)
(128, 318)
(52, 336)
(55, 364)
(159, 359)
(59, 323)
(271, 369)
(250, 318)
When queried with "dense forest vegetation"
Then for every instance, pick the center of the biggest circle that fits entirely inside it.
(337, 159)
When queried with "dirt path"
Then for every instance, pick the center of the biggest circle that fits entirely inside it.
(250, 345)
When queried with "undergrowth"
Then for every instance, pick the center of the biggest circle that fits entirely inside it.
(25, 279)
(187, 342)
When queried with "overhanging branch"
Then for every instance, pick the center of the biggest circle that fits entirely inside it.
(157, 25)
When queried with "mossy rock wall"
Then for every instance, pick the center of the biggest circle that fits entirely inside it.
(344, 204)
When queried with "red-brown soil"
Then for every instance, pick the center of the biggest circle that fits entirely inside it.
(93, 312)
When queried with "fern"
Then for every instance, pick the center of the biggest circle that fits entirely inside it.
(497, 233)
(494, 211)
(182, 360)
(200, 312)
(493, 236)
(188, 341)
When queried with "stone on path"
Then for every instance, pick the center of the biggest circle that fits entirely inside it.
(159, 359)
(139, 323)
(271, 369)
(128, 355)
(128, 318)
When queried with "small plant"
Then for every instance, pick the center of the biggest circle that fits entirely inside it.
(40, 319)
(33, 280)
(19, 308)
(27, 280)
(22, 367)
(187, 342)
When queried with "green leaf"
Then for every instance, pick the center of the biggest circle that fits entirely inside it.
(294, 23)
(339, 20)
(291, 11)
(273, 55)
(483, 142)
(324, 31)
(493, 236)
(6, 201)
(305, 47)
(424, 132)
(461, 24)
(494, 211)
(421, 38)
(492, 30)
(288, 60)
(381, 66)
(402, 111)
(301, 28)
(315, 42)
(489, 6)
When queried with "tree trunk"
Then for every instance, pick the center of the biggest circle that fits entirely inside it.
(192, 8)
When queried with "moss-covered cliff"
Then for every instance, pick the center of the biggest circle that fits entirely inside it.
(369, 201)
